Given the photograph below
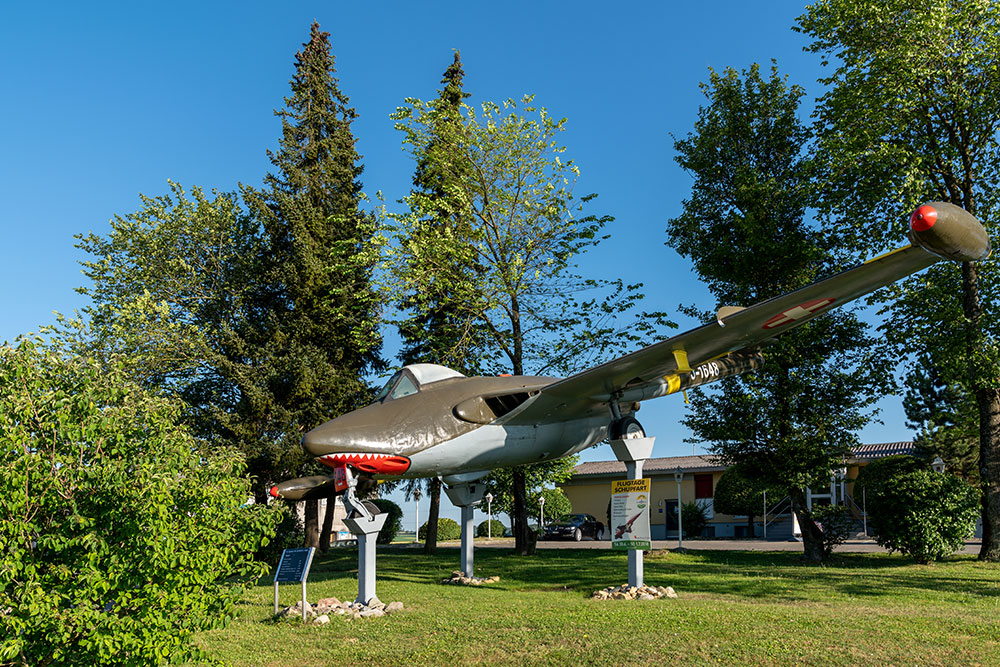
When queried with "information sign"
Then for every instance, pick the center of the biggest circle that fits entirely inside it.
(630, 514)
(294, 565)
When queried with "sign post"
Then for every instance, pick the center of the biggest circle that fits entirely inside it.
(293, 566)
(633, 452)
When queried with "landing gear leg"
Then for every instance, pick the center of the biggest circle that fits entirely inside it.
(364, 521)
(466, 496)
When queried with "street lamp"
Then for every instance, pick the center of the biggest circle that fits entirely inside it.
(489, 512)
(416, 511)
(679, 477)
(541, 514)
(937, 465)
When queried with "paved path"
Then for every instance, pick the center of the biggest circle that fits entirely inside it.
(855, 546)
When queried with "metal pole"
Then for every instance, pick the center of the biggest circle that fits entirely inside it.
(275, 597)
(416, 519)
(304, 603)
(489, 513)
(765, 514)
(864, 510)
(680, 519)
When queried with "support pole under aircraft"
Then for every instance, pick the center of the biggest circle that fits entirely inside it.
(633, 452)
(364, 522)
(466, 496)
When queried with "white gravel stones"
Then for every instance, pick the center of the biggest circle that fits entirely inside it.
(458, 578)
(324, 608)
(626, 592)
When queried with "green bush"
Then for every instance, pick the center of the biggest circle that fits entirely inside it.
(922, 513)
(393, 523)
(836, 522)
(483, 530)
(121, 535)
(447, 530)
(694, 519)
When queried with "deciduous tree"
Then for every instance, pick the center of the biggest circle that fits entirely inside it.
(791, 422)
(911, 114)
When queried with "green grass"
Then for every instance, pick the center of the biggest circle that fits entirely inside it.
(734, 607)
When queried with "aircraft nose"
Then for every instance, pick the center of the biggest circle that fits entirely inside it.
(353, 439)
(353, 432)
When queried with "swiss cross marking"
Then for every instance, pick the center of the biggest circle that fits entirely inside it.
(797, 313)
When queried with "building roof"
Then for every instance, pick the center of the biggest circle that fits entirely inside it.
(708, 463)
(870, 452)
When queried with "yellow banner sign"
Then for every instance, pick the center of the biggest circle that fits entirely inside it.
(630, 485)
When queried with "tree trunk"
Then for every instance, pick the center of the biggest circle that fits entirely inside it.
(519, 515)
(812, 536)
(312, 524)
(324, 535)
(431, 539)
(750, 527)
(988, 401)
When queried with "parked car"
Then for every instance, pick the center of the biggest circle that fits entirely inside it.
(574, 527)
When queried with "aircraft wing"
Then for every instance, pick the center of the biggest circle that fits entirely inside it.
(659, 369)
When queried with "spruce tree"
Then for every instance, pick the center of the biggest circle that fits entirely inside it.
(317, 302)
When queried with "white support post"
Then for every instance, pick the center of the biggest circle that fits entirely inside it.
(466, 496)
(633, 452)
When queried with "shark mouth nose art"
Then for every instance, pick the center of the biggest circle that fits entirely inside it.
(388, 464)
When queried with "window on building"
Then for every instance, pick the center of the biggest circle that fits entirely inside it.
(703, 486)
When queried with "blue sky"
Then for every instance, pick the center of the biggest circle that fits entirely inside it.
(103, 101)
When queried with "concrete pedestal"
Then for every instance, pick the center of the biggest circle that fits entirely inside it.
(366, 530)
(466, 496)
(633, 452)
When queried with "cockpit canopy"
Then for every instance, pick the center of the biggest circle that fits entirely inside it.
(409, 379)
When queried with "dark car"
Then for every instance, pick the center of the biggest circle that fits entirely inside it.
(574, 527)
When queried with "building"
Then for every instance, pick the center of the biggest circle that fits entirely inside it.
(589, 491)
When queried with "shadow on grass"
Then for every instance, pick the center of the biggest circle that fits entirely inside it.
(765, 576)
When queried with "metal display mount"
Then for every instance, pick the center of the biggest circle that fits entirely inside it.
(364, 521)
(294, 567)
(633, 452)
(466, 496)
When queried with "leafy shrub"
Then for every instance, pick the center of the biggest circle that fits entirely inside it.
(121, 535)
(287, 535)
(836, 522)
(483, 529)
(447, 530)
(694, 519)
(393, 522)
(919, 512)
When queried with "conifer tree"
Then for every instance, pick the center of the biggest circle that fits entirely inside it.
(319, 308)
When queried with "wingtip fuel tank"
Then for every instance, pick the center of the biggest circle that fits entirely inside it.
(950, 232)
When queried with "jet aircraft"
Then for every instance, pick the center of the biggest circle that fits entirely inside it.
(429, 420)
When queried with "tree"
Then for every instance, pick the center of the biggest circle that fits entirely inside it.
(911, 114)
(917, 511)
(738, 493)
(945, 418)
(320, 310)
(436, 331)
(791, 422)
(513, 190)
(175, 298)
(121, 534)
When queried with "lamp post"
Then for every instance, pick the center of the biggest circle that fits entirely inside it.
(489, 512)
(541, 515)
(937, 465)
(416, 513)
(679, 477)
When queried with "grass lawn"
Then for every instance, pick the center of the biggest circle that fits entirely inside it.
(754, 608)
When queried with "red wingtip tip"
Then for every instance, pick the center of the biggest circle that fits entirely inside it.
(923, 218)
(274, 492)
